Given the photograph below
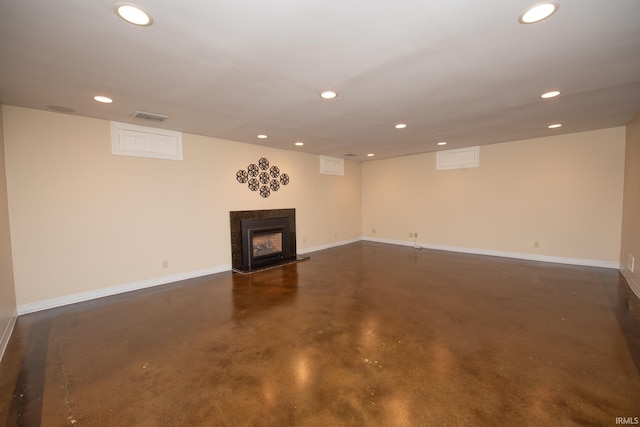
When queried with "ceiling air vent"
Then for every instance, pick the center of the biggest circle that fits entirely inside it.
(149, 116)
(61, 109)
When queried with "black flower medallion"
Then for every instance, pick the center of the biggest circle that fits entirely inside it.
(242, 176)
(264, 164)
(254, 184)
(263, 178)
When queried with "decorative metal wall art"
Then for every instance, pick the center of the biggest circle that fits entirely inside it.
(262, 177)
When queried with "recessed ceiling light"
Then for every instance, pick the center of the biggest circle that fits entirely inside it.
(262, 136)
(133, 14)
(442, 143)
(103, 99)
(370, 155)
(538, 12)
(551, 94)
(555, 126)
(328, 94)
(299, 144)
(401, 126)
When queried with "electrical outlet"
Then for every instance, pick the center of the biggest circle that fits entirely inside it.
(631, 260)
(165, 264)
(415, 235)
(373, 231)
(304, 240)
(536, 244)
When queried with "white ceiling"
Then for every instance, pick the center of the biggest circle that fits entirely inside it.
(461, 71)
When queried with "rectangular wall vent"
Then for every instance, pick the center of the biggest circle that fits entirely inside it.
(331, 166)
(458, 159)
(143, 141)
(150, 116)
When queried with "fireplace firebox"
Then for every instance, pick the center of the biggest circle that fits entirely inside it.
(265, 241)
(262, 238)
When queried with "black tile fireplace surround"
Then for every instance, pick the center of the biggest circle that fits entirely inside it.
(248, 227)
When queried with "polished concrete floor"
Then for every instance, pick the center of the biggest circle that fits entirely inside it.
(362, 335)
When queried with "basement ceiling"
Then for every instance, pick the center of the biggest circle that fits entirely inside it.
(464, 72)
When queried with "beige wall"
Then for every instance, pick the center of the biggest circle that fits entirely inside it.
(7, 293)
(631, 211)
(564, 192)
(84, 219)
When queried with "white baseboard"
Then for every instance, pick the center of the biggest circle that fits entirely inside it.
(503, 254)
(114, 290)
(329, 246)
(632, 283)
(4, 339)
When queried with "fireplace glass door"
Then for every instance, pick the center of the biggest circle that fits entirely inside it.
(265, 244)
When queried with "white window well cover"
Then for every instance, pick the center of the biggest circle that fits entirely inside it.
(143, 141)
(331, 166)
(458, 159)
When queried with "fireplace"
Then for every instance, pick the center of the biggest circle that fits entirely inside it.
(262, 239)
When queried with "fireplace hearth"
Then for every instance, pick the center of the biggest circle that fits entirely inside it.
(262, 239)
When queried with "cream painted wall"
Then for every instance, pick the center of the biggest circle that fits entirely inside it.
(564, 192)
(83, 219)
(7, 293)
(631, 211)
